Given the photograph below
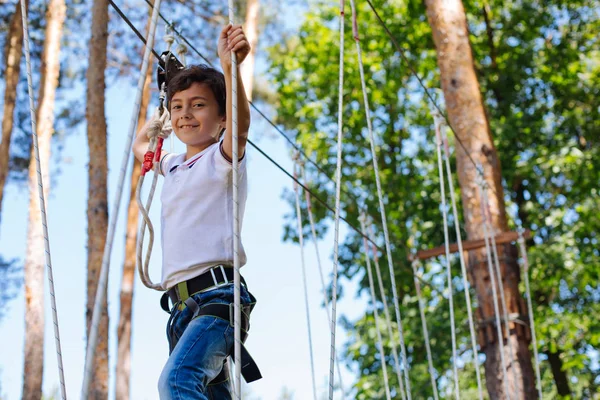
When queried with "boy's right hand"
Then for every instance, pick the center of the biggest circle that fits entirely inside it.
(232, 38)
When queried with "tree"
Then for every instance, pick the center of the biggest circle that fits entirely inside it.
(467, 116)
(34, 259)
(13, 48)
(538, 68)
(97, 212)
(251, 31)
(129, 264)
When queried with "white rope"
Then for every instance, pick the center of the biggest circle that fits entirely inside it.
(461, 255)
(382, 210)
(432, 372)
(338, 184)
(36, 152)
(503, 303)
(181, 52)
(102, 283)
(386, 311)
(301, 243)
(320, 267)
(438, 141)
(159, 127)
(236, 215)
(376, 314)
(481, 183)
(523, 250)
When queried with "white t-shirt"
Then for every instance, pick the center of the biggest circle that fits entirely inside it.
(197, 213)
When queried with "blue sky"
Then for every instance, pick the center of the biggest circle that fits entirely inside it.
(278, 339)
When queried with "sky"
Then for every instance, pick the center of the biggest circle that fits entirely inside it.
(278, 339)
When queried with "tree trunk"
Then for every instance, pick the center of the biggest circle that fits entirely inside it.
(560, 376)
(251, 31)
(35, 256)
(127, 283)
(467, 116)
(13, 50)
(97, 212)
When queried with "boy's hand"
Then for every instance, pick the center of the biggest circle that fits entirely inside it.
(232, 37)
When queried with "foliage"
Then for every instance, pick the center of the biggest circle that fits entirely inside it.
(538, 65)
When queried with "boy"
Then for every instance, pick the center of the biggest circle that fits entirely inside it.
(196, 219)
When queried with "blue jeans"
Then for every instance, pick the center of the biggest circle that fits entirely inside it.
(200, 347)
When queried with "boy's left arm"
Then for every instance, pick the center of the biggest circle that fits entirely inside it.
(232, 38)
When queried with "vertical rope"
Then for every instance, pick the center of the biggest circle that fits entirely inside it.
(338, 183)
(461, 255)
(432, 373)
(523, 251)
(301, 243)
(320, 267)
(438, 141)
(36, 152)
(382, 209)
(481, 183)
(102, 283)
(236, 215)
(375, 312)
(386, 311)
(504, 305)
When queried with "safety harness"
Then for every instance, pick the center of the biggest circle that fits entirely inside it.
(181, 297)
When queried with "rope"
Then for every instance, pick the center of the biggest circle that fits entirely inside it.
(381, 206)
(102, 283)
(432, 373)
(388, 319)
(236, 217)
(481, 183)
(523, 250)
(376, 315)
(320, 267)
(501, 288)
(301, 243)
(438, 141)
(461, 256)
(338, 184)
(169, 39)
(158, 130)
(36, 152)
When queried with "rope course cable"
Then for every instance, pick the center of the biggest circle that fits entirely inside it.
(42, 203)
(386, 312)
(375, 312)
(432, 372)
(102, 283)
(315, 240)
(438, 137)
(237, 316)
(381, 203)
(461, 253)
(481, 184)
(338, 184)
(301, 243)
(523, 251)
(488, 220)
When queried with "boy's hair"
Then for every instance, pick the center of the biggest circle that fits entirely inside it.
(200, 73)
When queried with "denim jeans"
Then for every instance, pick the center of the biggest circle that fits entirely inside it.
(199, 348)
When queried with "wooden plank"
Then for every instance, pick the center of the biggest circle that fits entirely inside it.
(504, 237)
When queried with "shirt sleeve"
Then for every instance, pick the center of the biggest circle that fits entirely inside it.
(223, 159)
(165, 164)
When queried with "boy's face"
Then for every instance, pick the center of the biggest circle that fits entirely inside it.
(195, 116)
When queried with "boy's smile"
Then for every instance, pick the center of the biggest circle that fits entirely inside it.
(195, 117)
